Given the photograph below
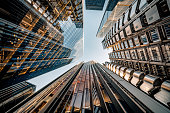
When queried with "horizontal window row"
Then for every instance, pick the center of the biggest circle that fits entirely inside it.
(152, 35)
(128, 25)
(148, 68)
(152, 53)
(154, 86)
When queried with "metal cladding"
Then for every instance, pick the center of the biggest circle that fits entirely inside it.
(140, 38)
(92, 88)
(33, 36)
(94, 4)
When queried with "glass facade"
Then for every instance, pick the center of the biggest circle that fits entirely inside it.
(14, 94)
(36, 35)
(92, 88)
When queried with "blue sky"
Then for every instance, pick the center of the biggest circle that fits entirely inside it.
(92, 47)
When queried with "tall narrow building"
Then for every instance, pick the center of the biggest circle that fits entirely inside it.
(138, 33)
(92, 88)
(34, 37)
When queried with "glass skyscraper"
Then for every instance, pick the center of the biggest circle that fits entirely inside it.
(91, 88)
(36, 36)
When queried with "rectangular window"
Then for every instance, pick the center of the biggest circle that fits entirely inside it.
(119, 46)
(142, 56)
(117, 37)
(133, 54)
(122, 45)
(122, 35)
(127, 54)
(126, 44)
(123, 54)
(167, 30)
(136, 41)
(130, 43)
(154, 35)
(144, 39)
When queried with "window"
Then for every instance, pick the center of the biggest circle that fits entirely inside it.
(130, 43)
(128, 30)
(126, 44)
(133, 54)
(119, 46)
(113, 39)
(155, 55)
(120, 23)
(136, 41)
(122, 35)
(154, 35)
(123, 54)
(167, 30)
(122, 45)
(142, 56)
(127, 54)
(114, 48)
(117, 37)
(118, 54)
(144, 39)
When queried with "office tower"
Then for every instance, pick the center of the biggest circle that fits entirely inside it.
(34, 37)
(139, 37)
(92, 88)
(14, 94)
(138, 34)
(94, 4)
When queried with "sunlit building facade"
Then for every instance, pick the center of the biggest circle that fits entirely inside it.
(139, 36)
(92, 88)
(138, 33)
(34, 36)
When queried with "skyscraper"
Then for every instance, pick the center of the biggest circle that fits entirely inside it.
(34, 37)
(14, 94)
(92, 88)
(138, 34)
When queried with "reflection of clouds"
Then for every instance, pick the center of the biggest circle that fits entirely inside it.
(77, 50)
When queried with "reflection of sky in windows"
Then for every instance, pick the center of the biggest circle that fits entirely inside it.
(73, 38)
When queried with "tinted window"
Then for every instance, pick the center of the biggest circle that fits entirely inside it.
(144, 39)
(154, 35)
(167, 30)
(142, 56)
(136, 41)
(122, 45)
(119, 46)
(130, 43)
(126, 45)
